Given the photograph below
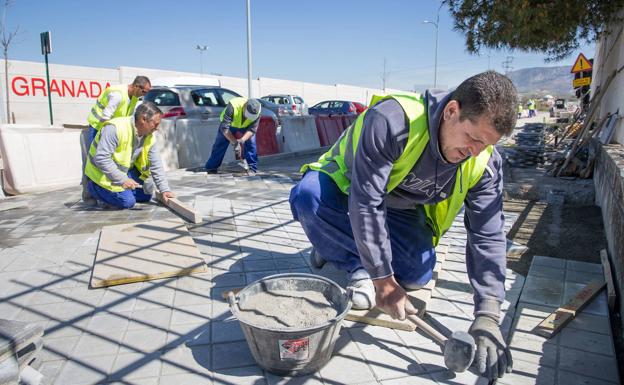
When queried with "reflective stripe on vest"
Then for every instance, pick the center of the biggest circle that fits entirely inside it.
(238, 118)
(338, 162)
(125, 107)
(122, 155)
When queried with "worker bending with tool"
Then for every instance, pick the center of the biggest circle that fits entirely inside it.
(241, 116)
(123, 162)
(378, 202)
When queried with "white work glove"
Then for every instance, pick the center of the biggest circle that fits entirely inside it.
(493, 358)
(238, 149)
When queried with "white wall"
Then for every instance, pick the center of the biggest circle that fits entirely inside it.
(608, 58)
(29, 101)
(72, 91)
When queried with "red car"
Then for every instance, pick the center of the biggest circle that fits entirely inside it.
(359, 107)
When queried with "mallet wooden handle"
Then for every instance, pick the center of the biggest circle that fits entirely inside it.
(436, 335)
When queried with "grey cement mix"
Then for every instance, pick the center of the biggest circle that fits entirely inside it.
(287, 308)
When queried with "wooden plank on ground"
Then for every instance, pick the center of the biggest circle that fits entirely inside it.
(137, 252)
(606, 268)
(419, 299)
(560, 317)
(181, 209)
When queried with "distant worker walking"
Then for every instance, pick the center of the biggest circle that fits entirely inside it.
(520, 110)
(240, 117)
(531, 107)
(124, 162)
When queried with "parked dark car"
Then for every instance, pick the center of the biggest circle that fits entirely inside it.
(359, 107)
(333, 107)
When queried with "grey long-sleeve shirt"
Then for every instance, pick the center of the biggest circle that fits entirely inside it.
(383, 139)
(104, 161)
(226, 123)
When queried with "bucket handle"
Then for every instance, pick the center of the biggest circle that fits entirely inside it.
(231, 298)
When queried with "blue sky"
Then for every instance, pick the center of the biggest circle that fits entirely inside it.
(322, 41)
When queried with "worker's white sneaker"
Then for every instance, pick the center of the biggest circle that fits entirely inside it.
(363, 297)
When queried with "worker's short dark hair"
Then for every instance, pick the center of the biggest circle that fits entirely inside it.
(147, 110)
(488, 94)
(141, 81)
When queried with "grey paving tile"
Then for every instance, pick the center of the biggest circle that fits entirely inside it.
(131, 366)
(525, 373)
(429, 356)
(229, 279)
(310, 379)
(251, 375)
(159, 318)
(392, 362)
(591, 323)
(58, 348)
(543, 271)
(189, 334)
(587, 341)
(187, 379)
(588, 364)
(467, 377)
(567, 378)
(101, 322)
(424, 379)
(231, 355)
(540, 260)
(86, 370)
(143, 340)
(226, 331)
(594, 268)
(191, 314)
(50, 370)
(542, 291)
(185, 359)
(98, 344)
(359, 371)
(583, 277)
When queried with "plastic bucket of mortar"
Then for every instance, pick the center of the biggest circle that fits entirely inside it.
(292, 351)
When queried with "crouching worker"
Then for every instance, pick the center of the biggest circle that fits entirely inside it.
(123, 161)
(242, 116)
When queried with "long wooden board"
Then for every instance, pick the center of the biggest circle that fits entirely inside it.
(137, 252)
(553, 324)
(181, 209)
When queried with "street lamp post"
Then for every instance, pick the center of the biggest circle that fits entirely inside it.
(435, 65)
(249, 88)
(201, 49)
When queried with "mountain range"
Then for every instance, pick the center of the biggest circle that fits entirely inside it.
(556, 81)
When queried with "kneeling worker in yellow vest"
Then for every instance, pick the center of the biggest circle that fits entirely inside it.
(377, 203)
(123, 161)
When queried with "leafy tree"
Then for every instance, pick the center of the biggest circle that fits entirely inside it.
(555, 27)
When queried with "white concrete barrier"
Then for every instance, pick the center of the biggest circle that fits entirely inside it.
(194, 140)
(166, 142)
(298, 133)
(40, 158)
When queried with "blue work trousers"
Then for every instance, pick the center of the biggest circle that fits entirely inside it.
(122, 200)
(322, 209)
(221, 144)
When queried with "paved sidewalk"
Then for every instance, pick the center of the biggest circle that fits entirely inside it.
(179, 330)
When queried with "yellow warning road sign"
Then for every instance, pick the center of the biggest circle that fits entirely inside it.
(580, 82)
(581, 64)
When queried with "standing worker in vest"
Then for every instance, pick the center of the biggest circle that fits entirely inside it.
(531, 107)
(242, 116)
(377, 203)
(115, 102)
(123, 160)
